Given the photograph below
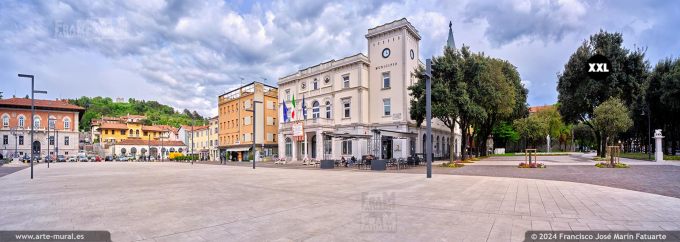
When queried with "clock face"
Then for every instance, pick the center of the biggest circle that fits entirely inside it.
(386, 52)
(413, 55)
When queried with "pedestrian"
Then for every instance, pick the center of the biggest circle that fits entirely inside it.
(343, 161)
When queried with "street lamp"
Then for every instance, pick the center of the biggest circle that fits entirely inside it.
(649, 132)
(33, 91)
(255, 102)
(15, 133)
(49, 138)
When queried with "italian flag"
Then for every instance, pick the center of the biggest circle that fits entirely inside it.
(292, 115)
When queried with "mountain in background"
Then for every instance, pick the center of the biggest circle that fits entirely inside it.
(155, 113)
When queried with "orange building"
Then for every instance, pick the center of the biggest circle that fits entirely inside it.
(236, 121)
(55, 124)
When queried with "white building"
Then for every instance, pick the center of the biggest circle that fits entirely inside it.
(359, 105)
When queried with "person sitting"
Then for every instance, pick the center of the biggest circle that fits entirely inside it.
(353, 160)
(343, 161)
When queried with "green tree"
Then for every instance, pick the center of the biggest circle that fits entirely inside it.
(504, 133)
(579, 94)
(611, 118)
(533, 129)
(447, 91)
(663, 99)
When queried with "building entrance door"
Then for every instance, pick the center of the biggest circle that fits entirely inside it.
(386, 147)
(313, 147)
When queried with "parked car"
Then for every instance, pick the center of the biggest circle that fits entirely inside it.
(72, 159)
(61, 158)
(48, 158)
(26, 158)
(36, 158)
(82, 158)
(122, 158)
(108, 158)
(97, 158)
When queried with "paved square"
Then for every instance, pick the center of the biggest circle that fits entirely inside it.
(181, 202)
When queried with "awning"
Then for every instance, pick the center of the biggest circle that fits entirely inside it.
(396, 134)
(347, 136)
(239, 149)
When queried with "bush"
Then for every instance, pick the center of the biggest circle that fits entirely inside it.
(531, 165)
(609, 165)
(467, 161)
(452, 165)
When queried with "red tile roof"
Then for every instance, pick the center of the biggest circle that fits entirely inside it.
(196, 128)
(535, 109)
(150, 142)
(113, 126)
(153, 128)
(39, 103)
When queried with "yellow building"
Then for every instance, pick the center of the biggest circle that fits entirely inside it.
(113, 131)
(199, 137)
(236, 121)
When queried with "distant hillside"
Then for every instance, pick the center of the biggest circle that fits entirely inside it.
(155, 112)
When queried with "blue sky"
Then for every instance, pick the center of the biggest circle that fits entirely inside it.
(185, 53)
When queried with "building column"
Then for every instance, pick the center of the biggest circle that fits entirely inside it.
(305, 148)
(319, 145)
(293, 152)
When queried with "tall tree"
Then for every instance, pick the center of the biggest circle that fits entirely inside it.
(579, 94)
(447, 91)
(663, 99)
(611, 118)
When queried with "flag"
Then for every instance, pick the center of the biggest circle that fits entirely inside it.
(293, 112)
(285, 112)
(304, 108)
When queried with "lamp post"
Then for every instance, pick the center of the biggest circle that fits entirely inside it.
(254, 135)
(649, 132)
(428, 114)
(192, 139)
(14, 132)
(50, 138)
(33, 91)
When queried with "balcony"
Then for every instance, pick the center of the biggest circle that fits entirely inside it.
(310, 123)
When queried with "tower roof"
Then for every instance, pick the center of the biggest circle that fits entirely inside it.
(450, 42)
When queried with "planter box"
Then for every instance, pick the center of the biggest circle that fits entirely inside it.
(327, 164)
(378, 165)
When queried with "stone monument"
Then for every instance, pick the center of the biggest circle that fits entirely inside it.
(658, 154)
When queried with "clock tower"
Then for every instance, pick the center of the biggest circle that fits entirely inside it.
(393, 50)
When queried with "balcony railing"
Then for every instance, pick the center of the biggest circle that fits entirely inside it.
(311, 122)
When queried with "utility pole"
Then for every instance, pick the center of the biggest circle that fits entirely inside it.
(428, 114)
(192, 140)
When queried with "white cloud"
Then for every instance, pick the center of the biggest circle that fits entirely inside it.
(186, 53)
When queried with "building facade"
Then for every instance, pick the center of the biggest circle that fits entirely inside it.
(235, 119)
(110, 131)
(55, 124)
(359, 105)
(213, 132)
(138, 148)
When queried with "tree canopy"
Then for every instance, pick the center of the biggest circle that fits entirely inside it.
(612, 117)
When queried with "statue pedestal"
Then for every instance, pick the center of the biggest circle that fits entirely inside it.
(658, 138)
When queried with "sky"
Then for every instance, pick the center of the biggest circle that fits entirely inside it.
(186, 53)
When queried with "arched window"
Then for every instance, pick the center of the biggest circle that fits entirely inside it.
(122, 150)
(21, 121)
(36, 122)
(424, 144)
(436, 147)
(289, 147)
(67, 123)
(328, 109)
(5, 121)
(315, 110)
(315, 84)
